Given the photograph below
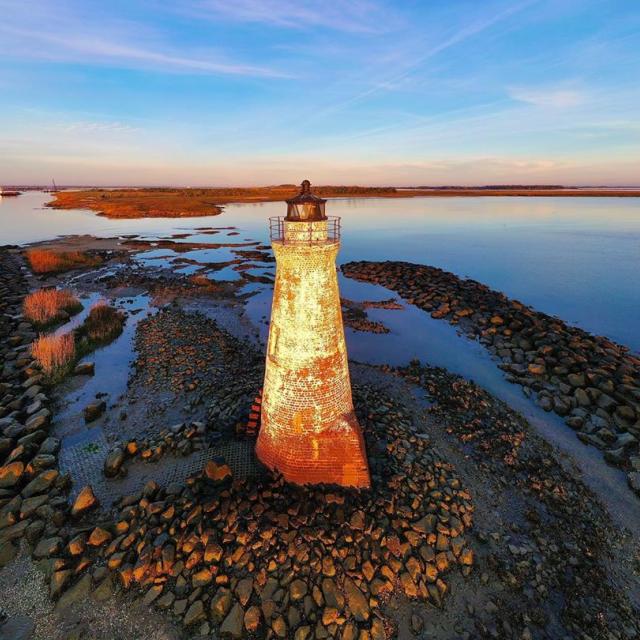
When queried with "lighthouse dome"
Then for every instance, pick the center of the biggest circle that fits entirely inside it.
(305, 206)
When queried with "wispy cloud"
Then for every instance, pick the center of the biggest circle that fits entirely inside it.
(548, 96)
(343, 15)
(68, 36)
(415, 61)
(97, 127)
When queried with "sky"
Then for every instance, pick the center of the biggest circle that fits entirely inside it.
(379, 92)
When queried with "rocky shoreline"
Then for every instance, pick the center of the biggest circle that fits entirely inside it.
(474, 527)
(592, 382)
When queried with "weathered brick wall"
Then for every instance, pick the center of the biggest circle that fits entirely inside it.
(309, 431)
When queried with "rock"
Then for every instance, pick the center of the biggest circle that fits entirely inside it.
(86, 500)
(48, 547)
(582, 397)
(615, 456)
(425, 525)
(77, 545)
(297, 590)
(545, 402)
(377, 630)
(417, 624)
(279, 627)
(165, 601)
(329, 616)
(303, 633)
(113, 462)
(84, 369)
(213, 552)
(536, 369)
(221, 604)
(252, 619)
(626, 440)
(94, 410)
(15, 531)
(99, 537)
(350, 632)
(233, 624)
(152, 595)
(201, 578)
(10, 474)
(626, 413)
(41, 483)
(576, 379)
(30, 505)
(328, 568)
(76, 593)
(104, 591)
(38, 420)
(356, 601)
(561, 406)
(575, 422)
(332, 596)
(244, 590)
(606, 402)
(8, 552)
(195, 613)
(43, 461)
(357, 520)
(59, 580)
(217, 471)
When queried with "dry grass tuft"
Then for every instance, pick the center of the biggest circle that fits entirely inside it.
(55, 353)
(45, 306)
(47, 261)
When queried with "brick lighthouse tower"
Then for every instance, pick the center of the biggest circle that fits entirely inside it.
(309, 431)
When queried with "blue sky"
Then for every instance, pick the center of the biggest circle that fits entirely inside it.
(215, 92)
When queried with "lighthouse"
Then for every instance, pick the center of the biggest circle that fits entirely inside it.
(309, 432)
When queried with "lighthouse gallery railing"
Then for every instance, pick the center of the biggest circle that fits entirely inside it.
(304, 236)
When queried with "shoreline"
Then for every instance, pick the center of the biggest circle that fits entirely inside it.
(441, 546)
(590, 381)
(187, 203)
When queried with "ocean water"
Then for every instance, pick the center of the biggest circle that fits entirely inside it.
(576, 258)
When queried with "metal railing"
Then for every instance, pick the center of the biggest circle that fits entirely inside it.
(304, 232)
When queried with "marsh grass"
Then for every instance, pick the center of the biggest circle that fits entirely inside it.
(47, 307)
(103, 325)
(56, 354)
(47, 261)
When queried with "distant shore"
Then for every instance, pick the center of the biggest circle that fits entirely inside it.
(186, 203)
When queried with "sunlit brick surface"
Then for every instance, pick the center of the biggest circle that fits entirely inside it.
(309, 431)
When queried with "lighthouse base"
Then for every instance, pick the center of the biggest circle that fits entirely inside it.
(331, 456)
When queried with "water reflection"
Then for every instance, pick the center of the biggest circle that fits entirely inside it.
(577, 258)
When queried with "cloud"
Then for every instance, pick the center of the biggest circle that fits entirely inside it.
(342, 15)
(98, 127)
(548, 97)
(415, 61)
(68, 35)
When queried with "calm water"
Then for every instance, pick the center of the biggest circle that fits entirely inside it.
(577, 258)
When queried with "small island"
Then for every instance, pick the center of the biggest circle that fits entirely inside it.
(158, 202)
